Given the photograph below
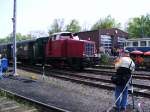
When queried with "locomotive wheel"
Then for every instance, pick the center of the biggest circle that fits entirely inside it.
(76, 64)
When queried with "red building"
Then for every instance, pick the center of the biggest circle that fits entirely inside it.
(106, 38)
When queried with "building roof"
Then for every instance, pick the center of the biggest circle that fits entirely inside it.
(114, 31)
(111, 31)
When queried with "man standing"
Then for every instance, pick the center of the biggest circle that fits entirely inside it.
(124, 66)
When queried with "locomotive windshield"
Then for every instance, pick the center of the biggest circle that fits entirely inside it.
(64, 35)
(89, 49)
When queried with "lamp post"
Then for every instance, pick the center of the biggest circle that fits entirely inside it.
(14, 39)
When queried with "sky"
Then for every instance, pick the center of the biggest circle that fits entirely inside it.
(38, 15)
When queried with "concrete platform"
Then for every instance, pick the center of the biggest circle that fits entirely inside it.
(54, 95)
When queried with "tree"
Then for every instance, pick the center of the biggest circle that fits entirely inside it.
(19, 37)
(105, 23)
(3, 40)
(73, 26)
(57, 26)
(139, 27)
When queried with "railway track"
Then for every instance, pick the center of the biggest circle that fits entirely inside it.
(7, 105)
(11, 105)
(93, 80)
(112, 67)
(110, 72)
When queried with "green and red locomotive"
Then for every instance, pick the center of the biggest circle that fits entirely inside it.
(60, 49)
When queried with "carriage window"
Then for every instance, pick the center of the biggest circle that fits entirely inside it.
(135, 43)
(143, 43)
(129, 44)
(148, 43)
(25, 48)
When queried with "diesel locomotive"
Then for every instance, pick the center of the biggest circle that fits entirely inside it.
(59, 49)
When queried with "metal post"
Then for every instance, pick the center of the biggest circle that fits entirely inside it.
(43, 76)
(14, 38)
(132, 92)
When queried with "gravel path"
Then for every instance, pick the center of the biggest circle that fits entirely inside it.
(103, 98)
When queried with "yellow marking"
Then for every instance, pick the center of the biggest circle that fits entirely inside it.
(34, 78)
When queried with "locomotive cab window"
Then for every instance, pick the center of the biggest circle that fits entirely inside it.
(66, 35)
(89, 49)
(53, 37)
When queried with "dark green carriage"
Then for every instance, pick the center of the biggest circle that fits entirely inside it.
(25, 51)
(40, 47)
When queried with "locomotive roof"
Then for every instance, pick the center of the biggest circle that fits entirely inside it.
(23, 41)
(43, 37)
(58, 33)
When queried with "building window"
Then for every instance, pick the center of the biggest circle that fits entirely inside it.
(143, 43)
(135, 43)
(106, 41)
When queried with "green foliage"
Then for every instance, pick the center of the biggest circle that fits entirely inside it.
(105, 23)
(57, 26)
(73, 26)
(139, 27)
(107, 60)
(19, 37)
(104, 59)
(3, 40)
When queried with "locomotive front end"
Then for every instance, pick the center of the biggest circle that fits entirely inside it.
(89, 54)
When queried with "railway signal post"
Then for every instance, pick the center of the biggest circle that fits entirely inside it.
(14, 39)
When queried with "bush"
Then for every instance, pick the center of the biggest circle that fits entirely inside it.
(107, 60)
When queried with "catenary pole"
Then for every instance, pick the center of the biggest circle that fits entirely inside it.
(14, 39)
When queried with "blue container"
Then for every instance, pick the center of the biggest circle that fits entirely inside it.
(4, 64)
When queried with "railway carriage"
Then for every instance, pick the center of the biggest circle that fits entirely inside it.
(140, 44)
(25, 51)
